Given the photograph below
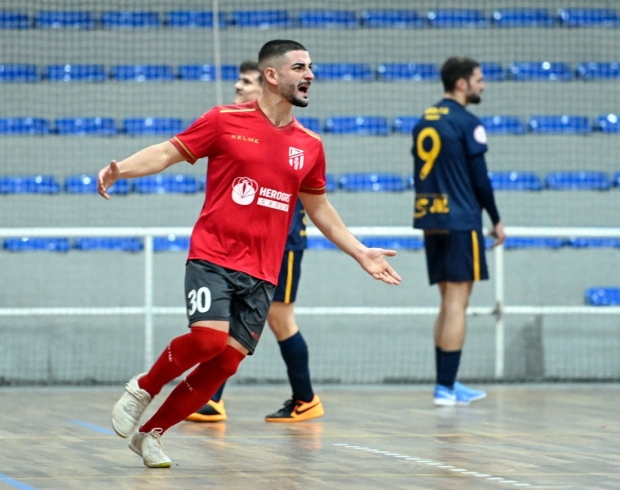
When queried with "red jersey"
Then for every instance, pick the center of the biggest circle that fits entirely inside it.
(254, 174)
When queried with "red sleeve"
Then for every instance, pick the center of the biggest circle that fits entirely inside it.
(315, 183)
(199, 140)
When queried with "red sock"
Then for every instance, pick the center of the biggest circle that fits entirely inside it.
(184, 352)
(195, 390)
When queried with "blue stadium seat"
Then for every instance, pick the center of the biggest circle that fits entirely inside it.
(389, 18)
(343, 71)
(563, 124)
(457, 18)
(320, 243)
(513, 243)
(75, 73)
(166, 184)
(503, 125)
(522, 18)
(118, 244)
(405, 124)
(92, 126)
(585, 180)
(330, 183)
(24, 125)
(206, 73)
(19, 73)
(493, 71)
(588, 17)
(142, 73)
(515, 181)
(166, 126)
(311, 123)
(364, 125)
(263, 19)
(394, 243)
(409, 181)
(541, 71)
(14, 20)
(598, 70)
(59, 19)
(617, 179)
(202, 182)
(124, 20)
(29, 184)
(408, 71)
(336, 19)
(37, 244)
(170, 243)
(602, 296)
(193, 19)
(594, 242)
(359, 181)
(608, 124)
(87, 184)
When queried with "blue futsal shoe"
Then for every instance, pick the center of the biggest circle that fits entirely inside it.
(444, 396)
(463, 393)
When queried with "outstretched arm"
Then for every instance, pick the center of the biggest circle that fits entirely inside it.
(148, 161)
(327, 219)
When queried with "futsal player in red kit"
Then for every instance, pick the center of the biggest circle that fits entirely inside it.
(260, 159)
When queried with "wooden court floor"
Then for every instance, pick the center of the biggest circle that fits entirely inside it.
(521, 436)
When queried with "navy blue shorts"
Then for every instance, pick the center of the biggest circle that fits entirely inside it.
(213, 292)
(455, 256)
(288, 280)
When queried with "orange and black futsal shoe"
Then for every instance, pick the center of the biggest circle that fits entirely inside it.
(298, 411)
(211, 412)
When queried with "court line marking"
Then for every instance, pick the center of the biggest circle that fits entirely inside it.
(103, 430)
(437, 464)
(14, 483)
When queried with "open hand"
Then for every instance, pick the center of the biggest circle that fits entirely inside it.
(373, 261)
(106, 178)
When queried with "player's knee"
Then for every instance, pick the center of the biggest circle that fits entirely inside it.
(209, 342)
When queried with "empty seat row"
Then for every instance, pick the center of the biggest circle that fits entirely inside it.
(174, 243)
(314, 18)
(493, 71)
(349, 182)
(339, 125)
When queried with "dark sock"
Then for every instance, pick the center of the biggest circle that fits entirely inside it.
(295, 354)
(218, 394)
(448, 367)
(437, 360)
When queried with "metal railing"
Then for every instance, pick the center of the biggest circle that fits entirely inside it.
(499, 310)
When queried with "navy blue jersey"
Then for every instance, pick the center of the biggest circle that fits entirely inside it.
(450, 175)
(296, 239)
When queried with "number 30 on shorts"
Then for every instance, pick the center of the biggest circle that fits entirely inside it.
(199, 301)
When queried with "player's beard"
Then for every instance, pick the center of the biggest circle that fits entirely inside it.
(295, 99)
(473, 98)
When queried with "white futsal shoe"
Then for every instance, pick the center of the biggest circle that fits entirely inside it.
(129, 408)
(148, 445)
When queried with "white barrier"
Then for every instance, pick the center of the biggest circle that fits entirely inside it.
(149, 310)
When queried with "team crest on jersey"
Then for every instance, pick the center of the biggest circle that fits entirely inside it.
(295, 158)
(243, 190)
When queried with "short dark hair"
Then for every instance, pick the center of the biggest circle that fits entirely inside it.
(277, 48)
(250, 65)
(455, 68)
